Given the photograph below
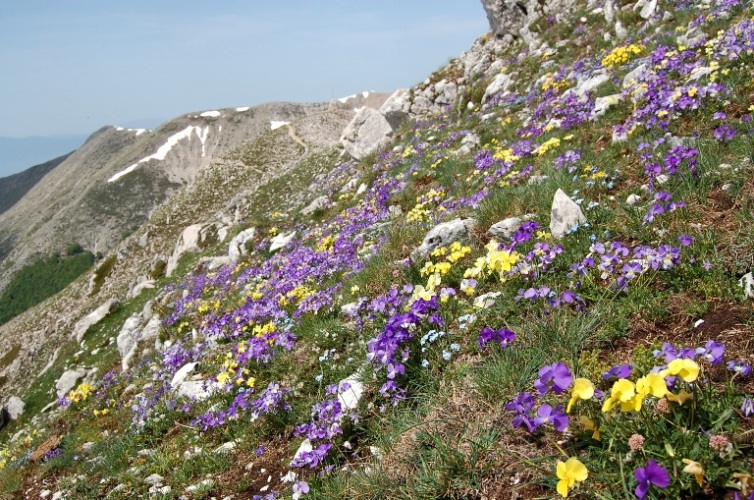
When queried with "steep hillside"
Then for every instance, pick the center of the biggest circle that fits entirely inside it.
(14, 187)
(109, 186)
(532, 279)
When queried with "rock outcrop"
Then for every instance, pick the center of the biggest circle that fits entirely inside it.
(366, 133)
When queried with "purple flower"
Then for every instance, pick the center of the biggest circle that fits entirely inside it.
(739, 367)
(712, 352)
(546, 414)
(724, 133)
(502, 337)
(685, 240)
(616, 372)
(300, 488)
(522, 404)
(747, 408)
(556, 377)
(653, 473)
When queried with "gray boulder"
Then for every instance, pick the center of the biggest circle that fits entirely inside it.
(134, 331)
(602, 104)
(500, 83)
(15, 407)
(281, 240)
(317, 204)
(94, 317)
(69, 380)
(506, 227)
(237, 246)
(506, 17)
(444, 234)
(188, 242)
(367, 132)
(395, 109)
(564, 215)
(128, 338)
(141, 284)
(209, 264)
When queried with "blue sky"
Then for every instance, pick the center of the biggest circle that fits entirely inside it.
(72, 67)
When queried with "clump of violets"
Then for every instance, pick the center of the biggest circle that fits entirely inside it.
(502, 337)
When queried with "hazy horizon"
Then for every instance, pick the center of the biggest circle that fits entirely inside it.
(73, 68)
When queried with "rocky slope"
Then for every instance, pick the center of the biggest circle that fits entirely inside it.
(14, 187)
(109, 186)
(540, 284)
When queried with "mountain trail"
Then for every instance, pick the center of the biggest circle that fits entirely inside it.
(297, 139)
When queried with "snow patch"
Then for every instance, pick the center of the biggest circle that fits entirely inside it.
(241, 110)
(138, 131)
(275, 124)
(210, 114)
(365, 94)
(165, 148)
(203, 138)
(346, 98)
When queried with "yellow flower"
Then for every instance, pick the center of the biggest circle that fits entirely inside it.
(687, 369)
(694, 468)
(681, 398)
(588, 425)
(569, 472)
(582, 389)
(653, 384)
(623, 392)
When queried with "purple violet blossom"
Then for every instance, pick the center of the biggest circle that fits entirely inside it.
(617, 372)
(652, 474)
(503, 337)
(556, 377)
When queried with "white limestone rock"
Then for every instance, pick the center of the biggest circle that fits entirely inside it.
(501, 83)
(15, 407)
(350, 391)
(396, 108)
(182, 373)
(444, 234)
(317, 204)
(93, 318)
(368, 131)
(142, 283)
(506, 227)
(68, 380)
(647, 7)
(237, 246)
(565, 214)
(747, 283)
(487, 300)
(633, 199)
(187, 242)
(281, 240)
(602, 104)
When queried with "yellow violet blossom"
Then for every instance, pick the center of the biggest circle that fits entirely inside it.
(582, 389)
(588, 425)
(687, 369)
(623, 392)
(694, 468)
(569, 472)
